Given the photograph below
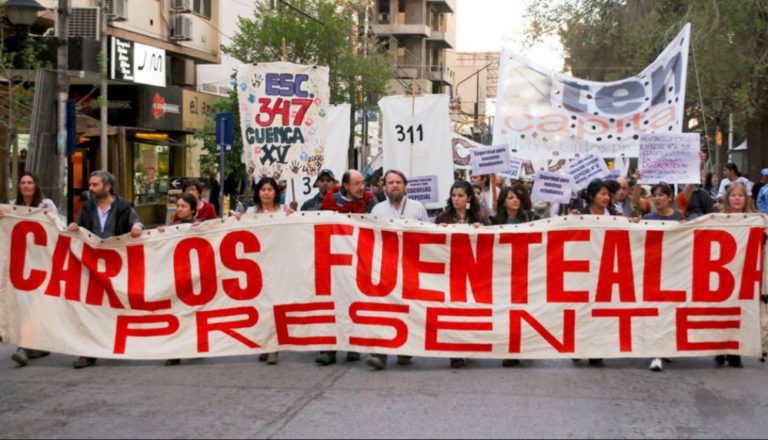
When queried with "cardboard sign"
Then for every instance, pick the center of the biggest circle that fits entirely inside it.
(552, 187)
(586, 168)
(423, 189)
(489, 160)
(669, 158)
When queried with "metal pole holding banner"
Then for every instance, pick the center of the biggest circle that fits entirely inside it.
(225, 123)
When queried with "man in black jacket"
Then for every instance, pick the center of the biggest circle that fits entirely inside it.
(106, 215)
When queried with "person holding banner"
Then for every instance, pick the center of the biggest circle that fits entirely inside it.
(598, 199)
(397, 206)
(462, 208)
(349, 197)
(205, 211)
(106, 215)
(30, 194)
(266, 198)
(662, 202)
(736, 201)
(513, 207)
(186, 211)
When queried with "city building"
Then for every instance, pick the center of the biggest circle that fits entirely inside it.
(418, 33)
(474, 97)
(153, 108)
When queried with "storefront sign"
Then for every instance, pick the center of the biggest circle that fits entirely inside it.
(161, 108)
(136, 62)
(198, 107)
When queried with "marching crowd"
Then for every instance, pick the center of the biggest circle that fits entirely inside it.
(476, 202)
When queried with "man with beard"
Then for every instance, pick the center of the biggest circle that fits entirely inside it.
(106, 215)
(397, 206)
(348, 198)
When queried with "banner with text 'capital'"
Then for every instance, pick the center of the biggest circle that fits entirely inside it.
(542, 114)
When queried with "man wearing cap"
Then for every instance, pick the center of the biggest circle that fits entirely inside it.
(324, 182)
(398, 206)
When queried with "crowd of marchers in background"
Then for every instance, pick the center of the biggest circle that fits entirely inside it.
(474, 202)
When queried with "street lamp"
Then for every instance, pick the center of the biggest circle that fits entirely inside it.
(22, 12)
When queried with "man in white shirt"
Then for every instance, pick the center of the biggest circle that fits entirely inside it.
(397, 206)
(730, 174)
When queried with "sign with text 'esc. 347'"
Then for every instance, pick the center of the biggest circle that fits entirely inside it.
(489, 160)
(283, 118)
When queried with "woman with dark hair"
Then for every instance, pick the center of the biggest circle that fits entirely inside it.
(598, 198)
(462, 208)
(266, 198)
(30, 194)
(205, 211)
(662, 202)
(186, 211)
(513, 207)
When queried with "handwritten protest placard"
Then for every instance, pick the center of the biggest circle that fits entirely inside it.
(552, 187)
(489, 160)
(423, 189)
(283, 116)
(586, 168)
(669, 158)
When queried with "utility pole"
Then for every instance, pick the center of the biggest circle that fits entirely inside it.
(103, 149)
(62, 79)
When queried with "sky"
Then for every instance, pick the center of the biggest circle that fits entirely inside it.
(489, 25)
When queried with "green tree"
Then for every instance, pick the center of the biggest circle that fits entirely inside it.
(330, 34)
(728, 61)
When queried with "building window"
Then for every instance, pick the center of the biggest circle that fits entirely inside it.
(151, 166)
(202, 7)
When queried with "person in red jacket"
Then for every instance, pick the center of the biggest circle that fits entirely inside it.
(205, 210)
(350, 196)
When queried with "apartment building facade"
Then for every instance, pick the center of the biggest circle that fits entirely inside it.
(153, 48)
(418, 34)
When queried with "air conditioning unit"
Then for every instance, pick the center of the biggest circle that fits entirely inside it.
(181, 5)
(182, 28)
(84, 22)
(384, 17)
(116, 10)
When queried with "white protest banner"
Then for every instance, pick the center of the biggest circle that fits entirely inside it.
(283, 117)
(413, 130)
(423, 189)
(669, 158)
(489, 160)
(552, 187)
(586, 168)
(336, 148)
(582, 287)
(515, 169)
(542, 114)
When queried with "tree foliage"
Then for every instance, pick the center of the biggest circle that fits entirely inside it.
(610, 39)
(356, 64)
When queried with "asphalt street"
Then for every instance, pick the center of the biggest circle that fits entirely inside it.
(240, 397)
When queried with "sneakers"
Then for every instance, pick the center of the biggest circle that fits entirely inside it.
(272, 358)
(263, 357)
(734, 360)
(20, 357)
(353, 356)
(326, 358)
(376, 362)
(457, 362)
(172, 362)
(720, 359)
(84, 362)
(596, 362)
(510, 362)
(656, 364)
(404, 360)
